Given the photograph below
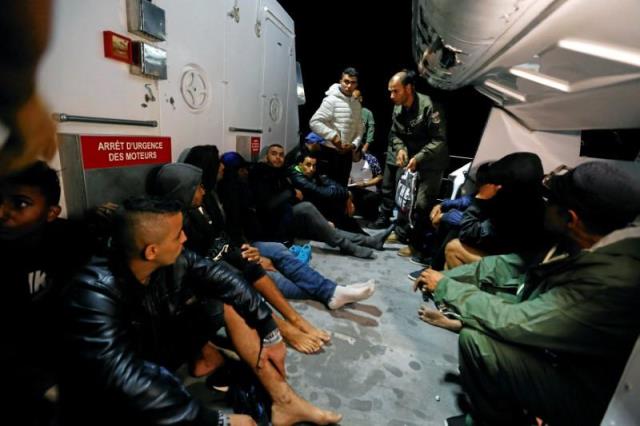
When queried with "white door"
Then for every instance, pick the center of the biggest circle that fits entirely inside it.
(278, 64)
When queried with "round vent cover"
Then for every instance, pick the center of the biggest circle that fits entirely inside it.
(275, 109)
(195, 88)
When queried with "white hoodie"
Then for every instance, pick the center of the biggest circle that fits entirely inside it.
(338, 114)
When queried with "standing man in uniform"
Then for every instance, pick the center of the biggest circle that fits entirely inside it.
(339, 122)
(417, 142)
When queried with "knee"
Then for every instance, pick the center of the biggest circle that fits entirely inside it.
(478, 350)
(305, 207)
(451, 252)
(467, 341)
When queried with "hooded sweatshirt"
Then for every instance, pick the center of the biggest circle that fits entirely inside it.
(338, 114)
(178, 181)
(204, 229)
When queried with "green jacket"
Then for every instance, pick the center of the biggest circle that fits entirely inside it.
(369, 126)
(582, 308)
(421, 131)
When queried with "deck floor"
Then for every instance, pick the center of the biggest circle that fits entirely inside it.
(384, 366)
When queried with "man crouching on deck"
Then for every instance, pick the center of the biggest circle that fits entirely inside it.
(124, 316)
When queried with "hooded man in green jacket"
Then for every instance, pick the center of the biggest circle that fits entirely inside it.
(558, 350)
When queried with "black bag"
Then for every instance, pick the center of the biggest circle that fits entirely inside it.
(406, 194)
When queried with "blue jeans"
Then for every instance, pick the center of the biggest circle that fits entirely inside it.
(295, 279)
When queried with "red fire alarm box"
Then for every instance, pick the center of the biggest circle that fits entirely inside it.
(117, 47)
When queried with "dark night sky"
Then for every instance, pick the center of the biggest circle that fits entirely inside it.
(375, 38)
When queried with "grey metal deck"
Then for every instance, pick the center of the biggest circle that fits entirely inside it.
(384, 366)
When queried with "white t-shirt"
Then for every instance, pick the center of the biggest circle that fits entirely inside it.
(360, 172)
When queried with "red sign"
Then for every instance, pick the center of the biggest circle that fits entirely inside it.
(117, 47)
(104, 151)
(255, 146)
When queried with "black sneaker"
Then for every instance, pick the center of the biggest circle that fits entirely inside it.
(420, 259)
(380, 223)
(415, 274)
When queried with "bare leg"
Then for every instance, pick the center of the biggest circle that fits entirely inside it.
(456, 253)
(269, 290)
(299, 340)
(208, 360)
(437, 318)
(288, 408)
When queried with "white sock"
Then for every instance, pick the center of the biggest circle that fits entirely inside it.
(369, 283)
(351, 294)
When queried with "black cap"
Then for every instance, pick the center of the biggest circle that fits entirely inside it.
(599, 193)
(518, 169)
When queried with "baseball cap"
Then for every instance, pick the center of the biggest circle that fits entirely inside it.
(597, 191)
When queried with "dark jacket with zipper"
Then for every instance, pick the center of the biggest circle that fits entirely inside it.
(120, 339)
(274, 198)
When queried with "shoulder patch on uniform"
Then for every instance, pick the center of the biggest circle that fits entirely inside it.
(435, 117)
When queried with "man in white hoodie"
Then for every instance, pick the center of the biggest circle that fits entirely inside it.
(338, 121)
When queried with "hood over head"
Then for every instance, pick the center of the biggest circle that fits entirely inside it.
(205, 157)
(178, 181)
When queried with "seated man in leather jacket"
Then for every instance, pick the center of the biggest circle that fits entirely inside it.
(123, 319)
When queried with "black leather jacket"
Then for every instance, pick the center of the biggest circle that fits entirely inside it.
(117, 339)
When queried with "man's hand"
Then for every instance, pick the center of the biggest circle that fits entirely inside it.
(365, 148)
(435, 222)
(299, 195)
(337, 142)
(413, 163)
(37, 132)
(241, 420)
(267, 264)
(436, 215)
(274, 354)
(350, 209)
(435, 211)
(488, 191)
(250, 253)
(401, 158)
(428, 281)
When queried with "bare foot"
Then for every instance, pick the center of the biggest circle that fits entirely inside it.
(298, 339)
(208, 360)
(437, 318)
(293, 409)
(320, 335)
